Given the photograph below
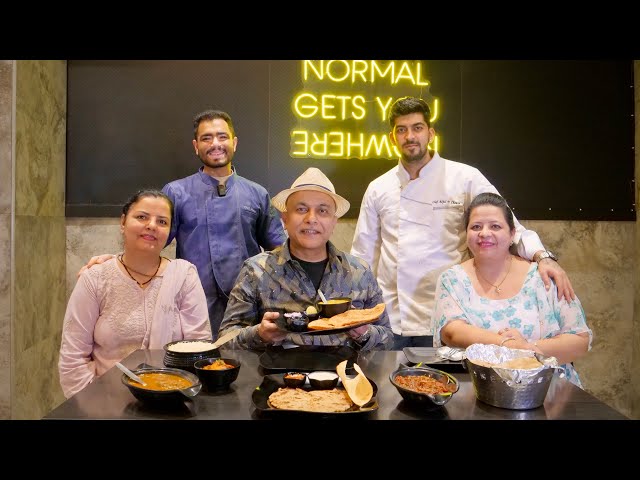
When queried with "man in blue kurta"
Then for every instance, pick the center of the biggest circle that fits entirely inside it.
(220, 218)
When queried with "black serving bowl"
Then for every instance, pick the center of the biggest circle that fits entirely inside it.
(217, 379)
(185, 360)
(294, 379)
(328, 309)
(425, 399)
(323, 380)
(163, 397)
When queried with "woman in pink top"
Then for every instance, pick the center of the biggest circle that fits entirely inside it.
(138, 299)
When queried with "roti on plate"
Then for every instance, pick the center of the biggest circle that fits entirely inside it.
(350, 318)
(328, 401)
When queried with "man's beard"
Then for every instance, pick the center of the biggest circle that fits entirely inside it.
(415, 158)
(218, 163)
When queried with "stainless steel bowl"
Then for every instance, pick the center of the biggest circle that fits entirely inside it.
(492, 389)
(425, 399)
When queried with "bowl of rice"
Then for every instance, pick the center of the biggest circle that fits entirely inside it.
(184, 353)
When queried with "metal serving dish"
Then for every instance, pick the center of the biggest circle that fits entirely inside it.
(491, 388)
(425, 399)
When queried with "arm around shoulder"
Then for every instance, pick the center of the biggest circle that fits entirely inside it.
(194, 313)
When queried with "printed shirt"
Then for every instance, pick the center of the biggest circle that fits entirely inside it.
(411, 231)
(273, 281)
(533, 311)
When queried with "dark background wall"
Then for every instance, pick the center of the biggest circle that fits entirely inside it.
(555, 137)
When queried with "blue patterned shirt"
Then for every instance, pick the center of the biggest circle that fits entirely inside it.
(273, 281)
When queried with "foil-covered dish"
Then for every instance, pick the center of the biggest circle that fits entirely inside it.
(508, 377)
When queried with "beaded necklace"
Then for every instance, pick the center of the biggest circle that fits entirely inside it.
(120, 259)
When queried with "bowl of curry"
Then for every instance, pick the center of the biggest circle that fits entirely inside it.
(424, 386)
(217, 373)
(163, 385)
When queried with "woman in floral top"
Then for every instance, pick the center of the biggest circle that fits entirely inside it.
(499, 298)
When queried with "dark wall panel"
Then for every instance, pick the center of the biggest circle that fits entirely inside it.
(555, 137)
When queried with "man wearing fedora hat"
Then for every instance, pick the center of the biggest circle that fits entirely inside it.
(288, 278)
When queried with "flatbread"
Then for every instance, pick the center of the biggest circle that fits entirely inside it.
(350, 318)
(521, 363)
(359, 388)
(327, 401)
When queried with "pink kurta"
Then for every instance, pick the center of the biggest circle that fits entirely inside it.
(109, 316)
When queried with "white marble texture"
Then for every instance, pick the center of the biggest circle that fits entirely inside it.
(5, 317)
(6, 174)
(38, 249)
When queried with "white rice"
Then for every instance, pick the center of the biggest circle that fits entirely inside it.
(190, 347)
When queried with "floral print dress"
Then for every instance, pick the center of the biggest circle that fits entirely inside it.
(534, 311)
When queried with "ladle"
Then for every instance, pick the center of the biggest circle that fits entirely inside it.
(227, 337)
(130, 374)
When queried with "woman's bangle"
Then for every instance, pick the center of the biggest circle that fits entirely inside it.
(506, 340)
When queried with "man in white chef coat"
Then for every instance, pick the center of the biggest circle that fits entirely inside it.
(410, 226)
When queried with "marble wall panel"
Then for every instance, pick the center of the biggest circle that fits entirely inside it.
(6, 98)
(6, 197)
(39, 249)
(5, 316)
(40, 287)
(36, 385)
(41, 103)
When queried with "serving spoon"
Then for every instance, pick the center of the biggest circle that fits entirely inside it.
(130, 374)
(227, 337)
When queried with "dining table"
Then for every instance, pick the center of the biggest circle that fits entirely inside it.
(108, 398)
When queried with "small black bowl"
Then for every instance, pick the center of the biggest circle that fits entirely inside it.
(163, 397)
(310, 315)
(334, 306)
(214, 380)
(294, 379)
(323, 380)
(296, 321)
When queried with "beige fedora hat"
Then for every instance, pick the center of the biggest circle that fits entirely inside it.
(311, 179)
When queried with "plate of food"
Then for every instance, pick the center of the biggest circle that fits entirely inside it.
(272, 397)
(299, 322)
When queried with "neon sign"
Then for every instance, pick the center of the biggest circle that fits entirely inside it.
(341, 112)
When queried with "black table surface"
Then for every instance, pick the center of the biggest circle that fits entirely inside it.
(108, 398)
